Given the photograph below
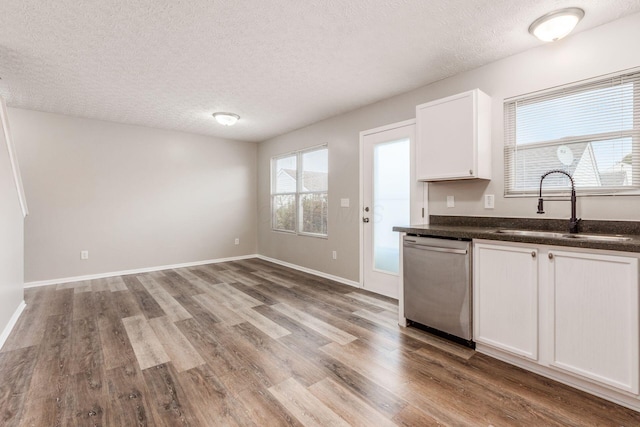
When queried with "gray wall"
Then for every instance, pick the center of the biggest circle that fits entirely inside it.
(602, 50)
(134, 197)
(11, 240)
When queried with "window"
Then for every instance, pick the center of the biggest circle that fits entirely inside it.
(589, 130)
(299, 191)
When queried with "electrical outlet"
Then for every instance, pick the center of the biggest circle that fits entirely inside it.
(84, 254)
(489, 201)
(335, 254)
(237, 241)
(451, 202)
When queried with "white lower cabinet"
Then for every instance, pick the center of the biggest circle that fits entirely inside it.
(594, 317)
(505, 298)
(570, 314)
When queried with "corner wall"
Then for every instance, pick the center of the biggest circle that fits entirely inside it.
(599, 51)
(134, 197)
(11, 243)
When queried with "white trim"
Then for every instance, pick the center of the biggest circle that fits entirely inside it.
(311, 271)
(134, 271)
(12, 322)
(17, 178)
(388, 127)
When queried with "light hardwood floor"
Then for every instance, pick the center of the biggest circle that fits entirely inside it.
(251, 343)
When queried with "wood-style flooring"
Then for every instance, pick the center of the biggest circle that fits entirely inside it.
(251, 343)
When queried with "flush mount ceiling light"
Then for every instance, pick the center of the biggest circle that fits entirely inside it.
(226, 119)
(556, 25)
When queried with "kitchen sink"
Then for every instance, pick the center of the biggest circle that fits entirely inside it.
(598, 237)
(531, 233)
(553, 234)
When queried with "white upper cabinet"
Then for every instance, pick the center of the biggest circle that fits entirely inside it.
(454, 138)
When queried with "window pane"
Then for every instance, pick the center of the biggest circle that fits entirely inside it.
(391, 201)
(589, 112)
(284, 172)
(590, 131)
(284, 212)
(315, 170)
(314, 213)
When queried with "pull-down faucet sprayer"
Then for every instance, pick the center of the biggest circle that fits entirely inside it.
(573, 221)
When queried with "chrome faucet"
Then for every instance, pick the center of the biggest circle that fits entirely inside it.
(573, 221)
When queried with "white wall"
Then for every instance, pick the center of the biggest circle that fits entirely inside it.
(134, 197)
(602, 50)
(11, 242)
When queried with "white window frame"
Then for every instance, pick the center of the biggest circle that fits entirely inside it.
(511, 147)
(298, 218)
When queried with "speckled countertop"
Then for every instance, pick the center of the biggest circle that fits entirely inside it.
(465, 227)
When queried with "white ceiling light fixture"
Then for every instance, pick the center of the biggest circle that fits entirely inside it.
(556, 25)
(226, 119)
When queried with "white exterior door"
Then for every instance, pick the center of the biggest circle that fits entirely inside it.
(391, 196)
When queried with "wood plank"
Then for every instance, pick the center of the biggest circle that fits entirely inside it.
(116, 348)
(16, 369)
(411, 416)
(32, 324)
(116, 284)
(150, 308)
(373, 300)
(219, 358)
(83, 305)
(181, 353)
(225, 314)
(347, 405)
(308, 409)
(379, 318)
(125, 304)
(317, 325)
(126, 402)
(146, 345)
(86, 350)
(168, 402)
(265, 410)
(266, 325)
(211, 400)
(169, 305)
(232, 297)
(369, 367)
(290, 363)
(52, 369)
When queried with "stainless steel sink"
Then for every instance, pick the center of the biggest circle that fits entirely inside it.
(531, 233)
(552, 234)
(598, 237)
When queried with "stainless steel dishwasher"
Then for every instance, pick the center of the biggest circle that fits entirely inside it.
(437, 284)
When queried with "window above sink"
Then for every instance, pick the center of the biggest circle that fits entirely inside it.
(591, 130)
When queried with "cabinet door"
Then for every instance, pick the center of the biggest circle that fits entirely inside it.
(446, 134)
(594, 317)
(505, 296)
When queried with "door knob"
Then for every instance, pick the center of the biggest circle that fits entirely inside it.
(365, 219)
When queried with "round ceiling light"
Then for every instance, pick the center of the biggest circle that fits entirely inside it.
(556, 25)
(226, 119)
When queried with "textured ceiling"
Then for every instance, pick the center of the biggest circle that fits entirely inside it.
(279, 64)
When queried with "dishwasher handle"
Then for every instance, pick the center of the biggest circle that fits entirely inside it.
(416, 245)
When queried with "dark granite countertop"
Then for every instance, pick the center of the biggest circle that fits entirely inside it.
(464, 227)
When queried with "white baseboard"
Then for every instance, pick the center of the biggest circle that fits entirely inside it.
(134, 271)
(311, 271)
(12, 322)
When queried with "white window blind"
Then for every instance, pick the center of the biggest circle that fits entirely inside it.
(589, 130)
(299, 191)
